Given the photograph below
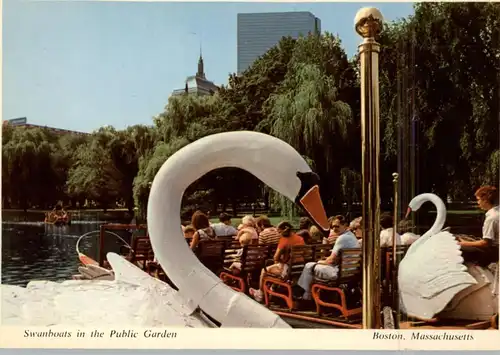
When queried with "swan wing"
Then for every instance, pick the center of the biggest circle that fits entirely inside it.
(432, 274)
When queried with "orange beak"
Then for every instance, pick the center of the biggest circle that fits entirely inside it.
(408, 211)
(312, 203)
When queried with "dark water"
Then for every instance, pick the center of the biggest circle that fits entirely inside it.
(32, 250)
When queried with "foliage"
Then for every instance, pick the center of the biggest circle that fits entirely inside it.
(439, 104)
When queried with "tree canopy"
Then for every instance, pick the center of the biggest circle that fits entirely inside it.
(439, 104)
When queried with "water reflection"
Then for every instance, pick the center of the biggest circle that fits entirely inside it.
(32, 250)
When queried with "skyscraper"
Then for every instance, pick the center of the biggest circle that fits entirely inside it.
(259, 32)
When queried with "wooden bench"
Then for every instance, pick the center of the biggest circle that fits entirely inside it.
(252, 261)
(322, 251)
(211, 253)
(140, 254)
(350, 271)
(299, 257)
(388, 268)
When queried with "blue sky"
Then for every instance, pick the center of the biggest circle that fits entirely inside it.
(81, 65)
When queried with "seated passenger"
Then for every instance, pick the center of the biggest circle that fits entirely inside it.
(328, 269)
(407, 236)
(189, 232)
(355, 227)
(224, 227)
(304, 225)
(386, 234)
(485, 250)
(316, 235)
(244, 238)
(334, 231)
(248, 223)
(281, 257)
(201, 224)
(269, 235)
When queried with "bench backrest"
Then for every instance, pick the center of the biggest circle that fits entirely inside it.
(230, 249)
(142, 249)
(211, 253)
(350, 263)
(300, 255)
(322, 251)
(387, 257)
(254, 257)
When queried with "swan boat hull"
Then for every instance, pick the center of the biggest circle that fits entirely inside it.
(91, 270)
(300, 318)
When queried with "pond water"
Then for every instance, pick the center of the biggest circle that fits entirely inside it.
(33, 251)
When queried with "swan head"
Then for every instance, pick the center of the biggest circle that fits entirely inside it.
(419, 200)
(273, 161)
(308, 197)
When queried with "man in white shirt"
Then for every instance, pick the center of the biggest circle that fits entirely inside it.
(224, 227)
(485, 250)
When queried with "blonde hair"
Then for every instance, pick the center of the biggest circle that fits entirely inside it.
(356, 223)
(248, 220)
(315, 233)
(245, 237)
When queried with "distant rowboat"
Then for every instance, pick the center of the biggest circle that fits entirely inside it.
(59, 220)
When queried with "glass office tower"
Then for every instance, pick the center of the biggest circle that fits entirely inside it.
(258, 32)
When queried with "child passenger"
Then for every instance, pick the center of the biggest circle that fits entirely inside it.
(245, 238)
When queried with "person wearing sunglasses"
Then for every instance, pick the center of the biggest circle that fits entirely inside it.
(328, 269)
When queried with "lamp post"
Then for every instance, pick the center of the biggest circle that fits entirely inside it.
(368, 24)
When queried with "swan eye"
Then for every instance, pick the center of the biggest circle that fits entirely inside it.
(307, 181)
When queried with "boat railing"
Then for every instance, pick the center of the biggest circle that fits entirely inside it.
(114, 227)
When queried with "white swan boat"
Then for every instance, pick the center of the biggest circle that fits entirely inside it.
(200, 291)
(434, 281)
(127, 295)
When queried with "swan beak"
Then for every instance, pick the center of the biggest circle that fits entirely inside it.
(408, 211)
(313, 205)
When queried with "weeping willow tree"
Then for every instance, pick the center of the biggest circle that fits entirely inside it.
(185, 119)
(27, 174)
(306, 112)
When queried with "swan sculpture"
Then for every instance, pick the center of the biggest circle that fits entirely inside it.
(433, 279)
(273, 161)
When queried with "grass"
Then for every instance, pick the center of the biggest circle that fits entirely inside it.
(475, 211)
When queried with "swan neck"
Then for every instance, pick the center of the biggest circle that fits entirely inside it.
(440, 216)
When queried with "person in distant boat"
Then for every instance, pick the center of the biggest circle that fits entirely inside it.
(58, 211)
(224, 227)
(268, 235)
(281, 257)
(485, 250)
(201, 224)
(328, 269)
(386, 234)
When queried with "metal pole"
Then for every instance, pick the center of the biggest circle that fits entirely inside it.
(368, 24)
(395, 294)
